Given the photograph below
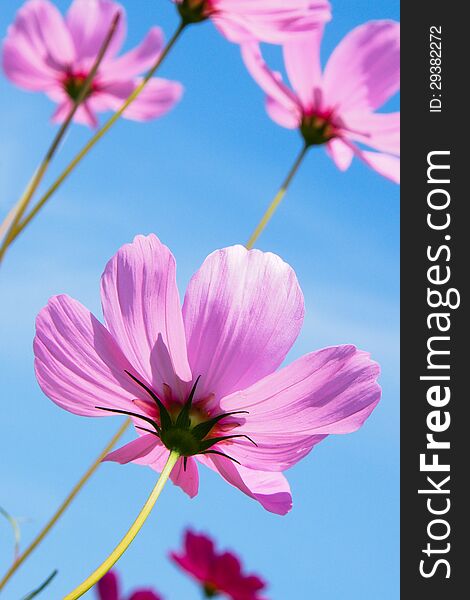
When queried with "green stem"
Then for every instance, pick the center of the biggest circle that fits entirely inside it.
(130, 535)
(277, 199)
(12, 220)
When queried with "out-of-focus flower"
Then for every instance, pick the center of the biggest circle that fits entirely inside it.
(217, 572)
(204, 380)
(337, 107)
(108, 588)
(45, 52)
(273, 21)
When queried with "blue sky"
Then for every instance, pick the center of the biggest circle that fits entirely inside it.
(200, 179)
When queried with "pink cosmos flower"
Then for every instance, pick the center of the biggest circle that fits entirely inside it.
(108, 586)
(337, 106)
(45, 52)
(273, 21)
(218, 573)
(204, 379)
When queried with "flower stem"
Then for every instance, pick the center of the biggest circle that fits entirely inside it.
(98, 135)
(9, 226)
(130, 535)
(65, 504)
(277, 199)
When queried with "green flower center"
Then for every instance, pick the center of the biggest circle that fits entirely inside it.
(195, 11)
(317, 129)
(73, 85)
(187, 430)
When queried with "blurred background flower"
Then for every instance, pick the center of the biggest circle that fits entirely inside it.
(109, 588)
(218, 573)
(45, 52)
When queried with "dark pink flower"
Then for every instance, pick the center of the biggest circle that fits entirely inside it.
(337, 106)
(204, 379)
(108, 588)
(273, 21)
(217, 572)
(45, 52)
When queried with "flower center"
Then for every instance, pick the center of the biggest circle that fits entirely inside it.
(195, 11)
(317, 129)
(187, 429)
(210, 590)
(73, 84)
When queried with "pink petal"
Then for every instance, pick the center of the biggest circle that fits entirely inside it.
(78, 364)
(187, 480)
(137, 60)
(377, 130)
(330, 391)
(108, 587)
(271, 490)
(145, 595)
(270, 82)
(89, 22)
(281, 115)
(158, 97)
(141, 305)
(302, 61)
(38, 46)
(341, 153)
(198, 557)
(242, 311)
(273, 21)
(384, 164)
(138, 448)
(363, 72)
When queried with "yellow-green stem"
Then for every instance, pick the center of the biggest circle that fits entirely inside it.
(10, 224)
(98, 135)
(65, 504)
(130, 535)
(277, 199)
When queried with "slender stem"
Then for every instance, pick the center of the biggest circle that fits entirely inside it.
(277, 199)
(65, 504)
(14, 217)
(98, 135)
(130, 535)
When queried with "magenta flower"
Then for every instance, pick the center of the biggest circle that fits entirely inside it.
(337, 107)
(273, 21)
(204, 379)
(44, 52)
(108, 589)
(218, 573)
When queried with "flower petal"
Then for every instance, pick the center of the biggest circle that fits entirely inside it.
(272, 21)
(330, 391)
(384, 164)
(363, 71)
(137, 60)
(138, 448)
(380, 131)
(77, 362)
(302, 61)
(269, 81)
(271, 490)
(242, 311)
(144, 595)
(157, 98)
(38, 46)
(108, 587)
(281, 115)
(198, 557)
(89, 22)
(341, 153)
(187, 480)
(141, 304)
